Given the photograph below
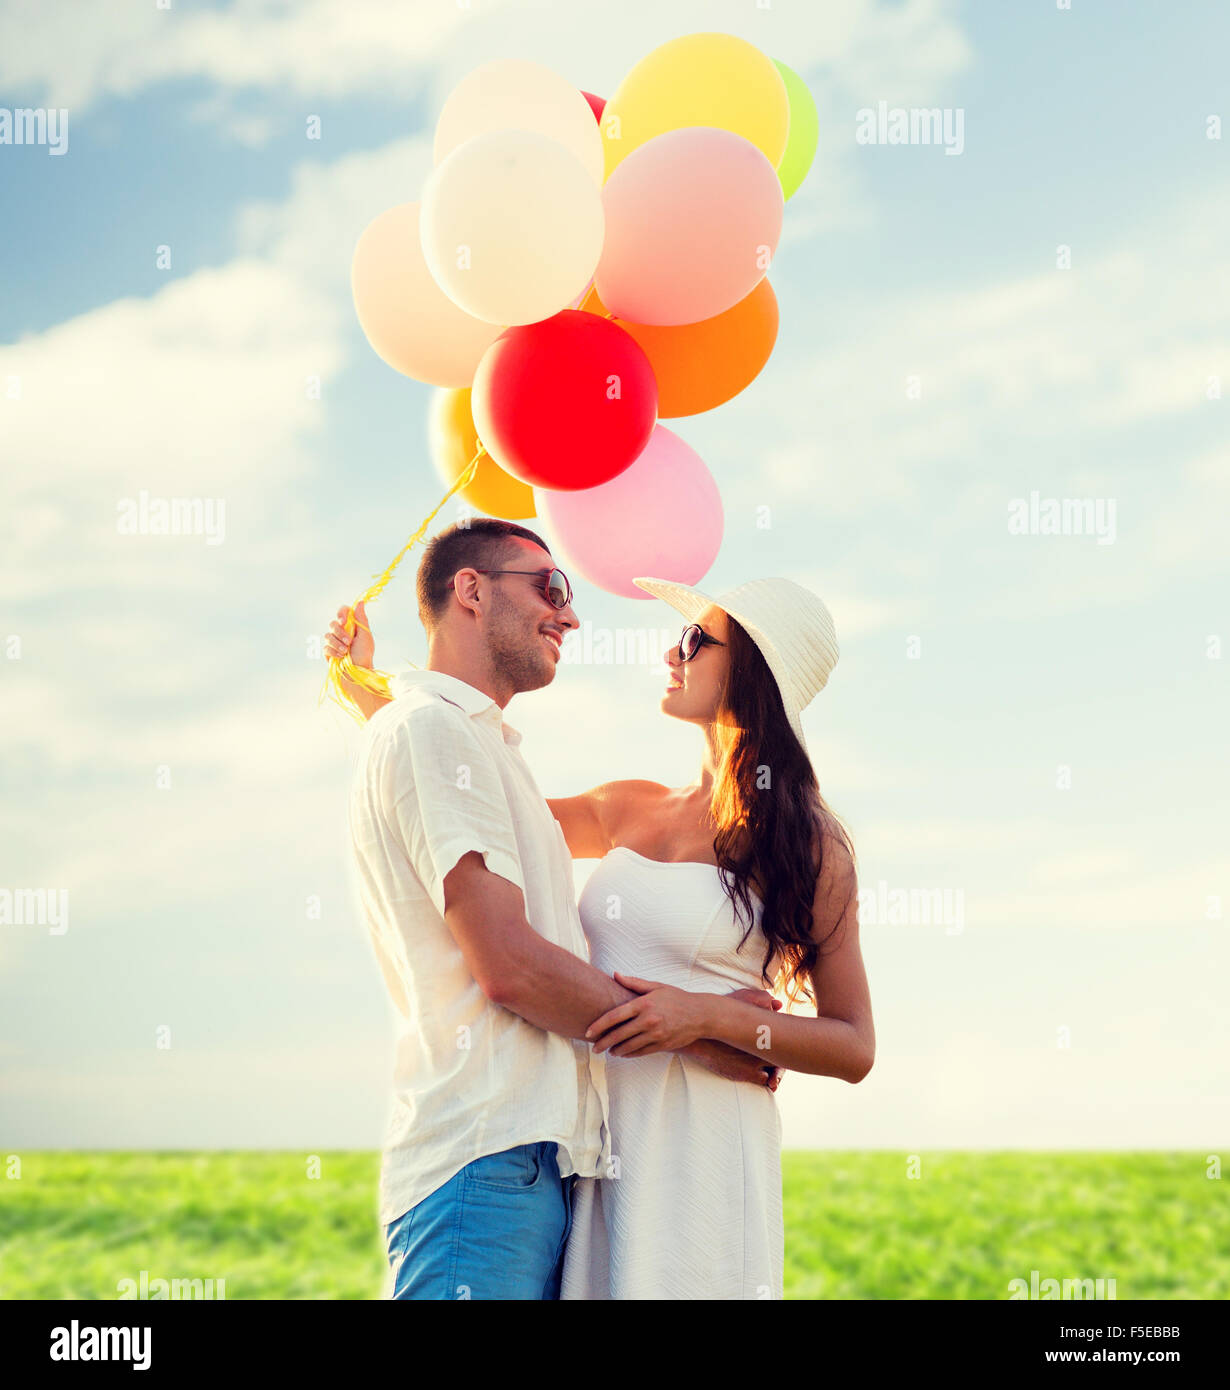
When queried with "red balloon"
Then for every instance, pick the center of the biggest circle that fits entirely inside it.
(596, 104)
(568, 402)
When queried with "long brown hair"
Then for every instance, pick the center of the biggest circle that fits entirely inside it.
(773, 824)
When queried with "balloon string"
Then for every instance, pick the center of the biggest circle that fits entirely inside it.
(342, 670)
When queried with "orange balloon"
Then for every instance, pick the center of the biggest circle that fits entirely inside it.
(454, 443)
(700, 365)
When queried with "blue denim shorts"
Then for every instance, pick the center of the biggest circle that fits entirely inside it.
(495, 1230)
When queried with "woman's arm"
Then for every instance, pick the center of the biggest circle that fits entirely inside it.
(581, 823)
(590, 820)
(839, 1041)
(362, 648)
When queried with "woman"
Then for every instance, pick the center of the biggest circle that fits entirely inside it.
(742, 878)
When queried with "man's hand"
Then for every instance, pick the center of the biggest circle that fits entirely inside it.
(724, 1060)
(359, 642)
(732, 1063)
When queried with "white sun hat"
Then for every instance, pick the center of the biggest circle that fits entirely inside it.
(791, 626)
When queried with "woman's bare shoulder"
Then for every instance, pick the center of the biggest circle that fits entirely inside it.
(621, 802)
(629, 793)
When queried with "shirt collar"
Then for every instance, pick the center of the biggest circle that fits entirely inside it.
(476, 703)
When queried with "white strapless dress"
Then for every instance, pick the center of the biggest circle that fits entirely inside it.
(693, 1208)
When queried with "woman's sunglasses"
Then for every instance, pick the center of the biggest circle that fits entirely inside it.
(693, 639)
(555, 584)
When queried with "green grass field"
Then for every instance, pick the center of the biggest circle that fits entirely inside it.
(73, 1225)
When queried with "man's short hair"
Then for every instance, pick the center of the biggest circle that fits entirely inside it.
(482, 544)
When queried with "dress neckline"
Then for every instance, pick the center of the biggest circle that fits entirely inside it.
(676, 864)
(665, 863)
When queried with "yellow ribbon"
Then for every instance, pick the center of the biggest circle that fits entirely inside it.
(342, 670)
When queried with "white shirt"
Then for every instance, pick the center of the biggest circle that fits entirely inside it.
(440, 774)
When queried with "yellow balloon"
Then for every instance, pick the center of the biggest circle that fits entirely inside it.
(453, 442)
(700, 79)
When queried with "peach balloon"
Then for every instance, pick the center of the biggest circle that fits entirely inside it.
(701, 365)
(408, 319)
(454, 442)
(693, 218)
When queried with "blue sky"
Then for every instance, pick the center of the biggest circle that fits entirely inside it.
(1098, 908)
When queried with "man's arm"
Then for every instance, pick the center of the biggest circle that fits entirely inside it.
(458, 834)
(514, 966)
(543, 983)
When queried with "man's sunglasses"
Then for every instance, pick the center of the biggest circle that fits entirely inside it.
(555, 584)
(693, 639)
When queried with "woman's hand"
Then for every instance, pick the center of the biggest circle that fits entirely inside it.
(662, 1019)
(360, 644)
(760, 997)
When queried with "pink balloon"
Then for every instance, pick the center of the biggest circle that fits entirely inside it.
(662, 515)
(693, 218)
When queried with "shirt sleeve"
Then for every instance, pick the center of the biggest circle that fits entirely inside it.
(443, 795)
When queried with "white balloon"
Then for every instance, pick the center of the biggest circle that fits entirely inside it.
(511, 227)
(513, 94)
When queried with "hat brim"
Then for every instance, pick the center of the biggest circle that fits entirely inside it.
(683, 597)
(692, 602)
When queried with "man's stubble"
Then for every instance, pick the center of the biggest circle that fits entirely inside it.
(515, 647)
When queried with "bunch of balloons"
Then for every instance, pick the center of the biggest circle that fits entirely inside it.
(579, 270)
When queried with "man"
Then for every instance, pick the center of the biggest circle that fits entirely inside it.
(466, 883)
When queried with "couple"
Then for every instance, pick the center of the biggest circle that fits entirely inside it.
(597, 1120)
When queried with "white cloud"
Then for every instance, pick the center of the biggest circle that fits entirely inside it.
(203, 376)
(312, 48)
(1044, 380)
(313, 230)
(199, 391)
(1128, 336)
(391, 48)
(222, 111)
(1102, 884)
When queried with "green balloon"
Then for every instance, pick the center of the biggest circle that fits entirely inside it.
(804, 131)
